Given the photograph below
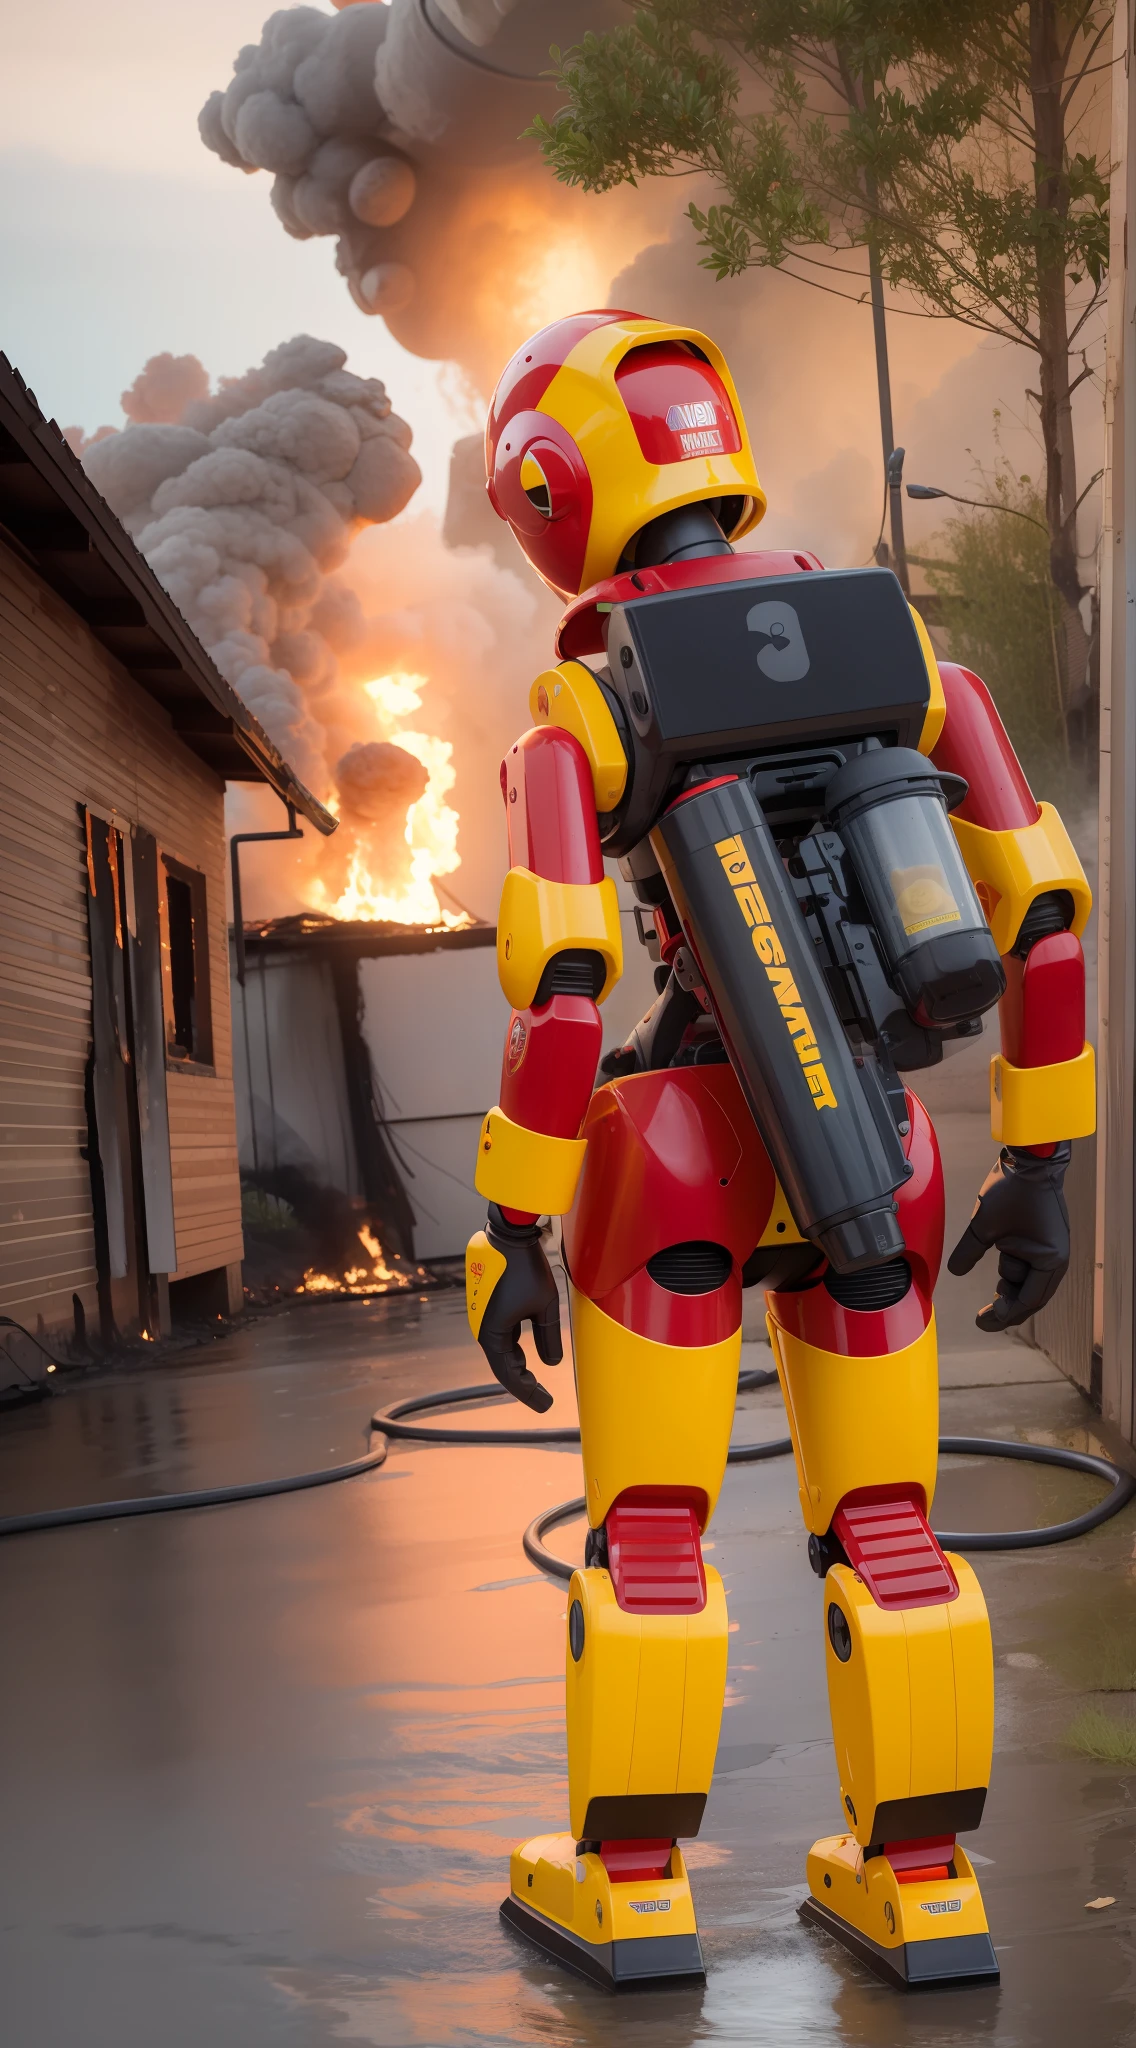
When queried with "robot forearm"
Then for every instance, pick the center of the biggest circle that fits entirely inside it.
(547, 1077)
(559, 951)
(1042, 1083)
(1033, 890)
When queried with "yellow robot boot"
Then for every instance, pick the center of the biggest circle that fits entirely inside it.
(909, 1662)
(644, 1702)
(911, 1692)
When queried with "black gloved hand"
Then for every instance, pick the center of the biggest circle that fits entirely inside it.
(524, 1289)
(1021, 1209)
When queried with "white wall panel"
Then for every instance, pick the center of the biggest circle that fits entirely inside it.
(434, 1024)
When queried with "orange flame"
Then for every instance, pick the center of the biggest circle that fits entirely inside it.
(431, 824)
(378, 1277)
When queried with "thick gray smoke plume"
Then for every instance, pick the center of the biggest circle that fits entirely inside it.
(164, 388)
(302, 105)
(264, 508)
(245, 501)
(396, 130)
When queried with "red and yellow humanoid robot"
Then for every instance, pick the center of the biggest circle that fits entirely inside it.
(839, 866)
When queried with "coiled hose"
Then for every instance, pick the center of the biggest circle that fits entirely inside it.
(391, 1423)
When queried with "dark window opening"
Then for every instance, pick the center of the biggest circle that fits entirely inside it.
(182, 989)
(189, 1032)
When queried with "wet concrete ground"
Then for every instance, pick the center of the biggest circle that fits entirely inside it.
(265, 1763)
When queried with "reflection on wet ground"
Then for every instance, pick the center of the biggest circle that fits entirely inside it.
(265, 1763)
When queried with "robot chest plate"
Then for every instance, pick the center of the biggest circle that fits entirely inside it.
(741, 667)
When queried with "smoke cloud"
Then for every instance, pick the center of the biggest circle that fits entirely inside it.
(163, 390)
(393, 132)
(387, 667)
(394, 129)
(245, 501)
(397, 134)
(303, 105)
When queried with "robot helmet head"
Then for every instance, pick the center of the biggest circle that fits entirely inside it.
(602, 425)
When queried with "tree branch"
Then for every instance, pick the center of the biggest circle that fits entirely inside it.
(1095, 479)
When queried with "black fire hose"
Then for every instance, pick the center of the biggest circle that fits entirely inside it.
(206, 1497)
(1121, 1485)
(390, 1423)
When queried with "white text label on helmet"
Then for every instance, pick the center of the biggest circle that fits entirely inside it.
(708, 442)
(698, 414)
(697, 427)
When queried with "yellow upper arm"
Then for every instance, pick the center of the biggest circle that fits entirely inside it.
(570, 697)
(1011, 868)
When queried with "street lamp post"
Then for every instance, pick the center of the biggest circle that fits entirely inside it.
(893, 456)
(980, 504)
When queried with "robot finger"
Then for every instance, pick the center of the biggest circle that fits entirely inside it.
(967, 1252)
(507, 1364)
(546, 1333)
(1023, 1288)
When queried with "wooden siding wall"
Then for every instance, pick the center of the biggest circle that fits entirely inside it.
(1064, 1328)
(74, 729)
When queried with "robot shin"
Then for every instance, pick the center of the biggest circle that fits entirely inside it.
(647, 1630)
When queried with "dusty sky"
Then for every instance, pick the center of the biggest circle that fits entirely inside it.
(120, 235)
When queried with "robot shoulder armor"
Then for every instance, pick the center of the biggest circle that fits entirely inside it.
(570, 697)
(937, 702)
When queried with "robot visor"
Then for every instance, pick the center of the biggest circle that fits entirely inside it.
(677, 403)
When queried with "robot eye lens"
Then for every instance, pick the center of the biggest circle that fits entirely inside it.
(534, 484)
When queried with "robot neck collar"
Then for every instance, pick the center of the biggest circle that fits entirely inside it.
(679, 536)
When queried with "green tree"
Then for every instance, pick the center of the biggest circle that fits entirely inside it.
(950, 142)
(999, 614)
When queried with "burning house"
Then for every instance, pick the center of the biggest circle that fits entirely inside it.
(390, 662)
(120, 1198)
(366, 1054)
(254, 504)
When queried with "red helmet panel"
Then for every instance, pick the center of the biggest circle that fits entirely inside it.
(678, 404)
(527, 376)
(550, 503)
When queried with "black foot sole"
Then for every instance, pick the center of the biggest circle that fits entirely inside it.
(614, 1964)
(914, 1965)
